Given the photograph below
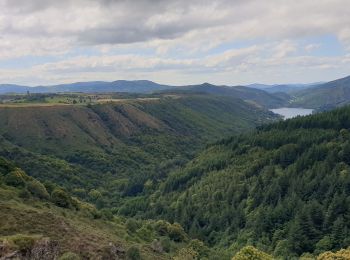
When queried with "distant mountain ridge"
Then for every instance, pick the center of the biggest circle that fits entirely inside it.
(286, 88)
(320, 96)
(134, 86)
(256, 96)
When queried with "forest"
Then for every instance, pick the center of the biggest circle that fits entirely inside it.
(281, 191)
(284, 189)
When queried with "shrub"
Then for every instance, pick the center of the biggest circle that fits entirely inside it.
(176, 232)
(186, 254)
(166, 244)
(24, 194)
(94, 195)
(37, 189)
(250, 252)
(81, 193)
(145, 233)
(133, 253)
(61, 198)
(132, 225)
(342, 254)
(199, 247)
(107, 214)
(23, 242)
(162, 227)
(15, 178)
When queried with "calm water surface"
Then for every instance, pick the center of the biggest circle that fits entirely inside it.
(288, 112)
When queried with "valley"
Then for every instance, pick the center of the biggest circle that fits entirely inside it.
(174, 130)
(192, 172)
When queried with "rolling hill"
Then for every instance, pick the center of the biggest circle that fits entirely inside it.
(325, 96)
(254, 96)
(285, 88)
(258, 97)
(135, 86)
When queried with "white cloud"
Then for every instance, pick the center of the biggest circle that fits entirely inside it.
(312, 46)
(155, 37)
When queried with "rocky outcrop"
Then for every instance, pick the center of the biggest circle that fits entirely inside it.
(42, 249)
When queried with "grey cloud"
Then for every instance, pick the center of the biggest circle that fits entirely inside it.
(111, 22)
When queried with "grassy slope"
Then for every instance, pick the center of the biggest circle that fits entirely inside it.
(133, 141)
(82, 230)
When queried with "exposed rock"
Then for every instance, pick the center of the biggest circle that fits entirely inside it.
(157, 246)
(113, 252)
(42, 249)
(45, 249)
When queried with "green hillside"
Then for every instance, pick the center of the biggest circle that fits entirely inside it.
(44, 222)
(255, 96)
(118, 148)
(325, 96)
(284, 189)
(120, 179)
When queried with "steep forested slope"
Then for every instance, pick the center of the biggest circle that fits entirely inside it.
(284, 189)
(118, 147)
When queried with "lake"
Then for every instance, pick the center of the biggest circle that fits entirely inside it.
(288, 112)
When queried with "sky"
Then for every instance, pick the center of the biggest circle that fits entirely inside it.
(176, 42)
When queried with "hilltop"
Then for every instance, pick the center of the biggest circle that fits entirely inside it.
(254, 96)
(132, 86)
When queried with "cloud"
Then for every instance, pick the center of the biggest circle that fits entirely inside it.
(312, 46)
(96, 38)
(120, 22)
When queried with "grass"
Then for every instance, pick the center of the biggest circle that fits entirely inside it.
(24, 220)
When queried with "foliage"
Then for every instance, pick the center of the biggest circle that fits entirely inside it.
(186, 254)
(37, 189)
(23, 242)
(106, 152)
(251, 253)
(176, 232)
(61, 198)
(342, 254)
(84, 231)
(133, 253)
(132, 225)
(284, 189)
(15, 178)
